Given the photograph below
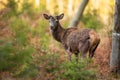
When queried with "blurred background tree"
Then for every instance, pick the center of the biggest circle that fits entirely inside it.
(76, 18)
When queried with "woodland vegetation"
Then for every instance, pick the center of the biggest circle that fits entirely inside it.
(28, 52)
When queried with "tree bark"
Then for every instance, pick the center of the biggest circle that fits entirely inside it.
(74, 22)
(115, 55)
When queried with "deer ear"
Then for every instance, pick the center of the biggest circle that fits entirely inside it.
(46, 16)
(60, 16)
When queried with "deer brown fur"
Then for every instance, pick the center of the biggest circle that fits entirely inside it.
(74, 40)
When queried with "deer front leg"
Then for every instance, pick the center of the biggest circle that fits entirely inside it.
(69, 54)
(76, 55)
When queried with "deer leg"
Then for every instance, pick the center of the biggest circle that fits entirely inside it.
(84, 48)
(92, 50)
(76, 55)
(69, 54)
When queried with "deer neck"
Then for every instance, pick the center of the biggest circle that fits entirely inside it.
(58, 33)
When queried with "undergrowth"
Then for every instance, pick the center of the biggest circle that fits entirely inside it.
(55, 69)
(91, 20)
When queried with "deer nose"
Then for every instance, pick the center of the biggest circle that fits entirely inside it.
(51, 24)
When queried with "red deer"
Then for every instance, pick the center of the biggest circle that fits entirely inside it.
(74, 40)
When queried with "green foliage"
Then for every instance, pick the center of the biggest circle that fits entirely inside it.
(21, 29)
(91, 20)
(50, 64)
(12, 5)
(11, 9)
(31, 70)
(27, 8)
(16, 51)
(14, 58)
(66, 70)
(44, 34)
(78, 71)
(5, 49)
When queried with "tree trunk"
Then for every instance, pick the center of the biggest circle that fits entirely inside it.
(115, 55)
(74, 22)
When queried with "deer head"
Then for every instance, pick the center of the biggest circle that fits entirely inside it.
(53, 20)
